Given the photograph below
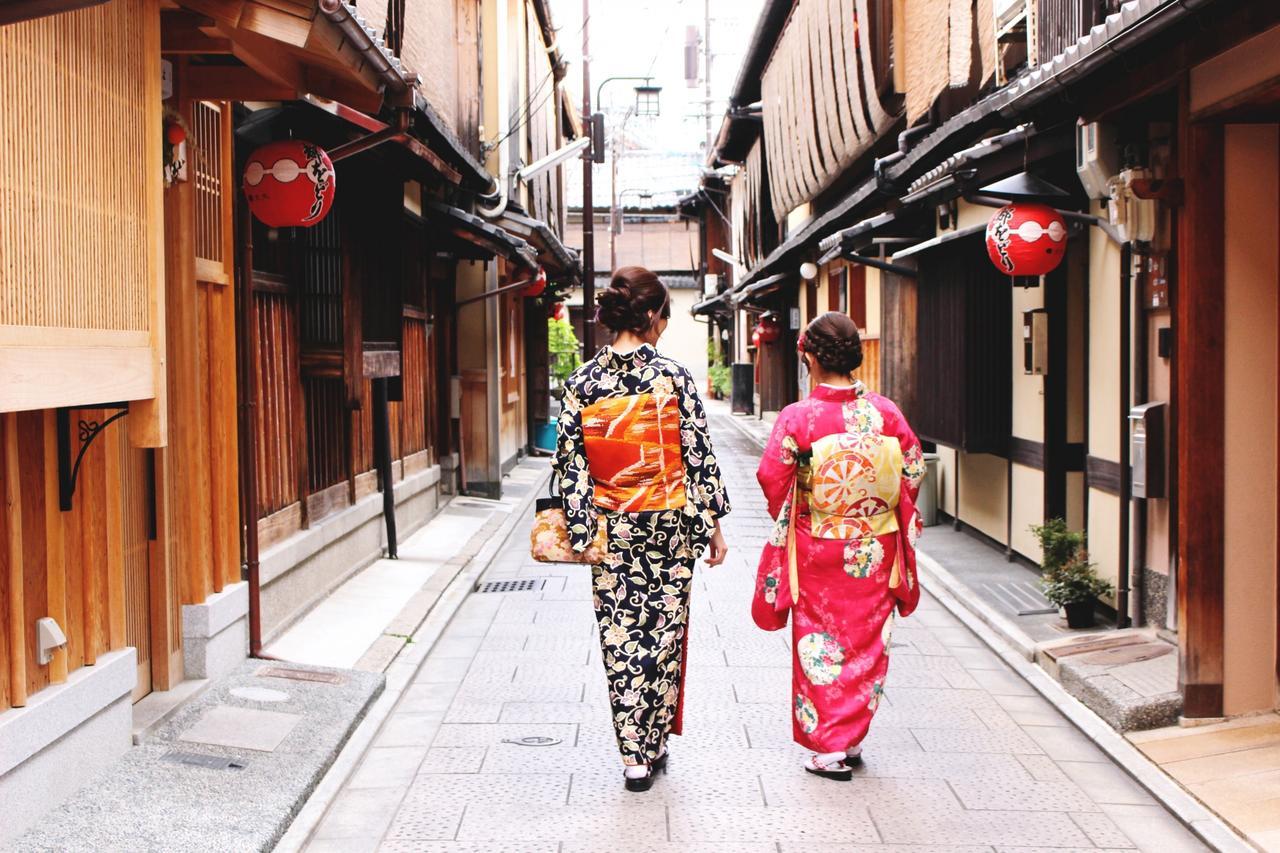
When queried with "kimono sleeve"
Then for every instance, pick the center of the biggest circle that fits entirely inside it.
(913, 467)
(777, 469)
(571, 472)
(706, 486)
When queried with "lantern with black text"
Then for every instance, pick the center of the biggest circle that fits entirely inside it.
(1026, 239)
(289, 183)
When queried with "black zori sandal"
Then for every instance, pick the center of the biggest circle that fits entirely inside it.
(839, 771)
(639, 784)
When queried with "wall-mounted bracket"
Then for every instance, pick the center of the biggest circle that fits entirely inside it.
(87, 431)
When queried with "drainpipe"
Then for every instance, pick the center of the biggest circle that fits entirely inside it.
(246, 392)
(1126, 400)
(382, 455)
(1143, 391)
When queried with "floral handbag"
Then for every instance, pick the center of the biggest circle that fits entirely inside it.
(549, 538)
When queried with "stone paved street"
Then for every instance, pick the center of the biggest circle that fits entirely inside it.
(963, 755)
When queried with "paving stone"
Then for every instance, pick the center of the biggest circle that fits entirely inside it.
(964, 756)
(409, 730)
(241, 728)
(607, 824)
(453, 759)
(388, 767)
(360, 813)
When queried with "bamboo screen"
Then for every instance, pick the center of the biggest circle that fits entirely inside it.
(75, 211)
(821, 103)
(927, 53)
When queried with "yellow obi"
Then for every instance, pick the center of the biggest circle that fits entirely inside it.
(852, 483)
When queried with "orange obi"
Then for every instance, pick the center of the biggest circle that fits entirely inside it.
(634, 453)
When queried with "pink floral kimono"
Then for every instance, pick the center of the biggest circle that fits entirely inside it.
(840, 473)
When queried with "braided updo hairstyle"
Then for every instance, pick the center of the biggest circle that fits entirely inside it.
(833, 340)
(632, 293)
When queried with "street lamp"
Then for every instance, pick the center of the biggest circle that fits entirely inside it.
(646, 94)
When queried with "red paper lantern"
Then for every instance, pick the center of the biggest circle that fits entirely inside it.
(289, 183)
(175, 134)
(559, 312)
(769, 330)
(538, 284)
(1026, 239)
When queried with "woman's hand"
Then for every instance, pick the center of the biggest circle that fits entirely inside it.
(719, 550)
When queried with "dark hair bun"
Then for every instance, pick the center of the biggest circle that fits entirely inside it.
(633, 293)
(833, 340)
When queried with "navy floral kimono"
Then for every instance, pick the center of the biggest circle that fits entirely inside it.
(634, 447)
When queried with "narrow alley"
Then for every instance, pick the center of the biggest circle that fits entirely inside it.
(503, 740)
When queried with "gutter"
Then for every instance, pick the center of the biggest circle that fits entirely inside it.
(395, 76)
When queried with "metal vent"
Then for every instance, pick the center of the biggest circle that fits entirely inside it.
(299, 674)
(522, 585)
(209, 762)
(1021, 598)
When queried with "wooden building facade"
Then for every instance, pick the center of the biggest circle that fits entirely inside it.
(1163, 308)
(206, 424)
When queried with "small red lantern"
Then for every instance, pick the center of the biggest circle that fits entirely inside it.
(560, 312)
(289, 183)
(175, 134)
(769, 329)
(1026, 239)
(536, 286)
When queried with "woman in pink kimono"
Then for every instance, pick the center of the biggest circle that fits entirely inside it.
(840, 474)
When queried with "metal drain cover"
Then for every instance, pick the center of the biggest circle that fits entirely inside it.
(299, 674)
(209, 762)
(533, 740)
(522, 585)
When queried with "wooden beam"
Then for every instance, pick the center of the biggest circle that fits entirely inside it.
(114, 511)
(268, 58)
(269, 21)
(55, 561)
(225, 12)
(148, 424)
(1198, 373)
(235, 83)
(15, 618)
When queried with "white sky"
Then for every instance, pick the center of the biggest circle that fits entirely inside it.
(647, 37)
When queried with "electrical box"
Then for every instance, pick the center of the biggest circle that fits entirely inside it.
(1097, 158)
(1035, 342)
(1147, 450)
(598, 139)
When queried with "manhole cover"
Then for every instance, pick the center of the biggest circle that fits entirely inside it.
(535, 740)
(208, 762)
(299, 674)
(522, 585)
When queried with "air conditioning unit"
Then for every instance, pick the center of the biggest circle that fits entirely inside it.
(1097, 158)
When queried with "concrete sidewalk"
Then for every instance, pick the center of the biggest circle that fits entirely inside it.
(502, 741)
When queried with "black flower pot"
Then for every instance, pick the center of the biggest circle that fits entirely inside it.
(1080, 613)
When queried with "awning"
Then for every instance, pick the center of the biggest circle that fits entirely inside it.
(557, 259)
(718, 304)
(322, 47)
(488, 238)
(845, 241)
(940, 240)
(428, 126)
(763, 287)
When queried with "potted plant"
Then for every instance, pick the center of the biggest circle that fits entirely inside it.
(1069, 579)
(1075, 587)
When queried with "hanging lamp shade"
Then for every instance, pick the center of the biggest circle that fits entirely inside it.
(537, 286)
(289, 183)
(1025, 186)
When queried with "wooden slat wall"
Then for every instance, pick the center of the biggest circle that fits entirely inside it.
(55, 563)
(869, 372)
(78, 192)
(822, 105)
(412, 432)
(278, 392)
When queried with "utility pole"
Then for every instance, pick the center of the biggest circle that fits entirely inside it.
(588, 208)
(706, 62)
